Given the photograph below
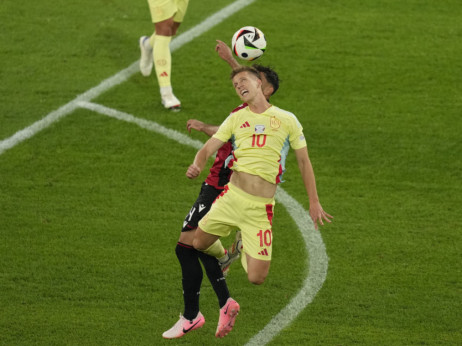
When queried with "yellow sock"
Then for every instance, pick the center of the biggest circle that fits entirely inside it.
(152, 39)
(162, 59)
(216, 250)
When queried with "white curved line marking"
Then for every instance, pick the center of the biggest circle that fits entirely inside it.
(317, 272)
(317, 262)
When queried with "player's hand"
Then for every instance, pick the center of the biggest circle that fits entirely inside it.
(223, 51)
(317, 214)
(193, 171)
(194, 124)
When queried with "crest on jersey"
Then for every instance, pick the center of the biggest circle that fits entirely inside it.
(259, 128)
(275, 123)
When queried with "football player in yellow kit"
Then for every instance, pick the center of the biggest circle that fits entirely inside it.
(167, 15)
(262, 134)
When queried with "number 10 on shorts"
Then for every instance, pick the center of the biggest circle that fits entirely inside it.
(265, 237)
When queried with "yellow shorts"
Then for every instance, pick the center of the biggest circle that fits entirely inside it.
(253, 215)
(165, 9)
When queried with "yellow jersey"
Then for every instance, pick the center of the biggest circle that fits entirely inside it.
(261, 141)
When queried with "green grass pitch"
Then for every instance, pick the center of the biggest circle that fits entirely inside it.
(91, 207)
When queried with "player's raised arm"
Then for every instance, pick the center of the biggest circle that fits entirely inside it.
(209, 148)
(225, 53)
(317, 214)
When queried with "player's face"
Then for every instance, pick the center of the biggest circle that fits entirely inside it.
(247, 86)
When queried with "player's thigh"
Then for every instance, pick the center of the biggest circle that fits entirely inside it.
(200, 207)
(221, 219)
(187, 237)
(257, 233)
(203, 240)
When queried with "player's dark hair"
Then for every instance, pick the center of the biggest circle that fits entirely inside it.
(245, 69)
(271, 76)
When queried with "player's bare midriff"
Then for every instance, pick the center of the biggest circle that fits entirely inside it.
(253, 184)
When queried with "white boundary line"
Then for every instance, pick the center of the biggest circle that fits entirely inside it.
(317, 261)
(119, 77)
(145, 124)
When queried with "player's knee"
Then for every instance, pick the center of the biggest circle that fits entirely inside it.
(256, 278)
(165, 28)
(197, 244)
(175, 27)
(187, 237)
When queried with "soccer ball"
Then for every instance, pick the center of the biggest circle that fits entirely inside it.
(248, 43)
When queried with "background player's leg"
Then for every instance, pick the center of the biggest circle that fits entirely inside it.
(163, 61)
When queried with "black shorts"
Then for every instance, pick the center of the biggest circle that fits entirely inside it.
(201, 207)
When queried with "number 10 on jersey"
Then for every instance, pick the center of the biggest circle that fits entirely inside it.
(259, 140)
(265, 237)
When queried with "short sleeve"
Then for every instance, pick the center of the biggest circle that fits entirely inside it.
(225, 131)
(296, 137)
